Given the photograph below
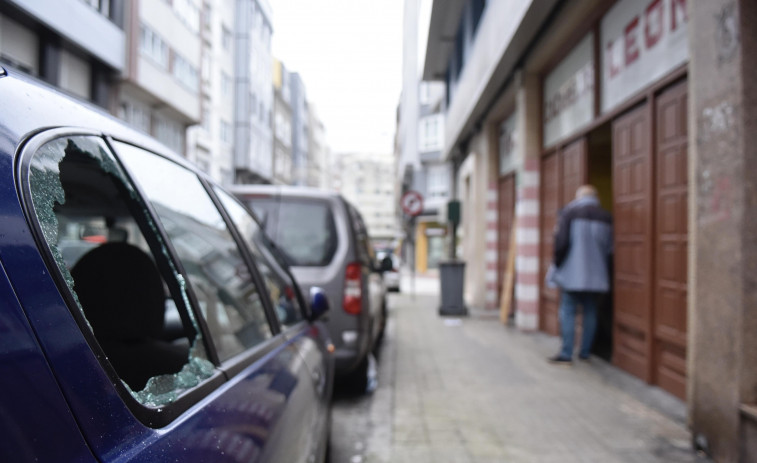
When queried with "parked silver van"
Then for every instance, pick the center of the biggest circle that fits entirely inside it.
(325, 241)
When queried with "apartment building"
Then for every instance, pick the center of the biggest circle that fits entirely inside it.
(282, 125)
(366, 180)
(318, 152)
(159, 92)
(44, 38)
(253, 92)
(650, 101)
(418, 144)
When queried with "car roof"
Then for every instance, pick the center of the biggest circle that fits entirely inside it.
(31, 106)
(285, 190)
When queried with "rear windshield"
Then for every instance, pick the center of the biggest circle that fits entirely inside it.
(302, 229)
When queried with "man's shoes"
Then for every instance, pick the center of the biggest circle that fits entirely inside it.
(560, 360)
(584, 358)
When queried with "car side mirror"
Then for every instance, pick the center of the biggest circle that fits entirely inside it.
(386, 264)
(319, 303)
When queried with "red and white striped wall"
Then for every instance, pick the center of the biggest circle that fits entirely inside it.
(527, 254)
(491, 246)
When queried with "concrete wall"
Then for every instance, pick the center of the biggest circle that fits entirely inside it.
(723, 229)
(478, 177)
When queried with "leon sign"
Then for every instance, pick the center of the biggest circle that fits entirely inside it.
(642, 41)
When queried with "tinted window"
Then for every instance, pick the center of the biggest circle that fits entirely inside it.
(228, 297)
(103, 242)
(303, 230)
(362, 240)
(278, 283)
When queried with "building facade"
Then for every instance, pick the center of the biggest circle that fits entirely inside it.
(282, 125)
(253, 92)
(300, 130)
(159, 93)
(44, 39)
(366, 180)
(234, 140)
(650, 102)
(418, 145)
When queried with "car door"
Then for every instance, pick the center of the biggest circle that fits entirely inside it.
(239, 393)
(311, 339)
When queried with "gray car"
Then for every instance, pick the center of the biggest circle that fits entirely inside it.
(325, 241)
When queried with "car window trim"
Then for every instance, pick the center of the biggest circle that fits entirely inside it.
(304, 306)
(247, 257)
(149, 416)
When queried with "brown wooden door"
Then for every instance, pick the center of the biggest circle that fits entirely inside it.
(562, 174)
(573, 172)
(550, 205)
(632, 177)
(505, 216)
(671, 241)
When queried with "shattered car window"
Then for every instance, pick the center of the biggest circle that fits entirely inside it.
(105, 245)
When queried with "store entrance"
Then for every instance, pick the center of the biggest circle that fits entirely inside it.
(599, 174)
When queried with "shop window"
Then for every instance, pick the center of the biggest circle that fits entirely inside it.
(228, 297)
(125, 289)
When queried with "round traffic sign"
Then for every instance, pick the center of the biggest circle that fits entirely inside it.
(412, 203)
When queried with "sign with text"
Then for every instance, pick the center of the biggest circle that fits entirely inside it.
(569, 93)
(642, 41)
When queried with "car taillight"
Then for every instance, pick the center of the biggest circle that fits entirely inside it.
(353, 288)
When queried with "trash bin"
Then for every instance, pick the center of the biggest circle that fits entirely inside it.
(452, 280)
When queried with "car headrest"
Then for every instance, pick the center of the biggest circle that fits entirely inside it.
(121, 291)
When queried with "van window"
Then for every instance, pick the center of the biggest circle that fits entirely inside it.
(279, 284)
(303, 229)
(228, 296)
(103, 242)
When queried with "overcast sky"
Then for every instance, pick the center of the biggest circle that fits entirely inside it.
(349, 54)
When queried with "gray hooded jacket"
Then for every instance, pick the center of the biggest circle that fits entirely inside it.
(583, 246)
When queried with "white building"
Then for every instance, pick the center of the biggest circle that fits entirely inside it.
(367, 181)
(234, 141)
(419, 143)
(159, 93)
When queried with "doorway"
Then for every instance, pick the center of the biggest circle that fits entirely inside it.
(599, 154)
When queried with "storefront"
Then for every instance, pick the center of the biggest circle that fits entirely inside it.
(614, 114)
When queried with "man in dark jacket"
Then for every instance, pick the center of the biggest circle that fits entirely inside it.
(582, 250)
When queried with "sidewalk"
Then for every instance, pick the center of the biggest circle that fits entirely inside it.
(472, 390)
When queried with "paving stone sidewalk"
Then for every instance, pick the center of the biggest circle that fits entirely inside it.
(472, 390)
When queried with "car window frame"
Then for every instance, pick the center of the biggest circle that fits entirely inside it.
(280, 261)
(153, 417)
(235, 364)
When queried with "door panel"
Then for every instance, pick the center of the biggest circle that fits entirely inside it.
(550, 205)
(562, 173)
(671, 243)
(505, 216)
(632, 173)
(573, 173)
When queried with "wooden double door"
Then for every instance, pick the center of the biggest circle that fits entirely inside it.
(650, 211)
(650, 183)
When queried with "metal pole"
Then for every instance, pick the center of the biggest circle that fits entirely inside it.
(452, 253)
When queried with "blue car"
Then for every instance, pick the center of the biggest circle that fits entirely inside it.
(144, 315)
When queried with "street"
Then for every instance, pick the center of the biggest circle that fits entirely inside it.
(473, 390)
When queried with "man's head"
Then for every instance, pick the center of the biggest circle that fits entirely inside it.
(586, 190)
